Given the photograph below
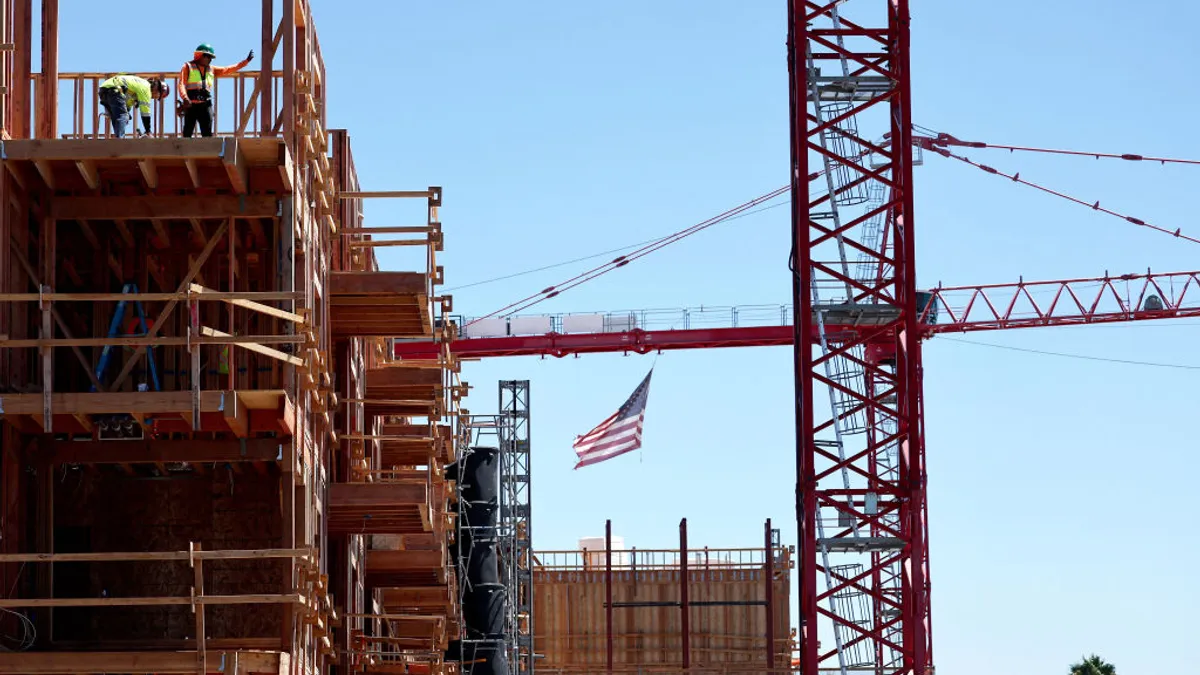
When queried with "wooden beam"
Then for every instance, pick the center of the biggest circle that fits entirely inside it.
(266, 76)
(149, 172)
(435, 596)
(166, 601)
(142, 556)
(47, 172)
(90, 149)
(393, 194)
(256, 347)
(193, 171)
(91, 176)
(251, 305)
(151, 451)
(235, 167)
(407, 229)
(134, 663)
(126, 234)
(148, 297)
(286, 166)
(150, 208)
(15, 171)
(142, 341)
(47, 105)
(376, 283)
(390, 562)
(162, 238)
(237, 417)
(384, 243)
(198, 608)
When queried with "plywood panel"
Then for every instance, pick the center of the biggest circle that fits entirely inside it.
(570, 617)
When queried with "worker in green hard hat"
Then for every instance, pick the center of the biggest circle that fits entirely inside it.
(196, 89)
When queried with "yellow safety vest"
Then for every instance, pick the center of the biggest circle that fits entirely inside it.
(198, 77)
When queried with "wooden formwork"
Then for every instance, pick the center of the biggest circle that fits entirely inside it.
(201, 430)
(702, 610)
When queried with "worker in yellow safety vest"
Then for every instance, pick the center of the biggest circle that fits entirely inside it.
(196, 89)
(121, 94)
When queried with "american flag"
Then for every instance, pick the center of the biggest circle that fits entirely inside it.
(620, 433)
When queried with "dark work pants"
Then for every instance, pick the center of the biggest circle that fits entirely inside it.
(198, 112)
(114, 104)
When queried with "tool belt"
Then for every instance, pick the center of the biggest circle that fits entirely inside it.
(203, 99)
(110, 92)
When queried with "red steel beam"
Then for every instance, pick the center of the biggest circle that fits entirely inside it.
(959, 309)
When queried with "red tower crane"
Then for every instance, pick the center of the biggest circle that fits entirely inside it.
(857, 321)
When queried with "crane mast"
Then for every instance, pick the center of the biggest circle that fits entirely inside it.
(860, 470)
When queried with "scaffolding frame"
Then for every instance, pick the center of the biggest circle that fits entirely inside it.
(509, 431)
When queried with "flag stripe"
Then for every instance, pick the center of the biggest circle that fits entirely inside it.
(620, 433)
(609, 453)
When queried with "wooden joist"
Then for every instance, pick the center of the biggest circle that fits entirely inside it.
(105, 149)
(266, 411)
(135, 663)
(152, 451)
(378, 304)
(378, 508)
(403, 383)
(415, 598)
(164, 208)
(401, 569)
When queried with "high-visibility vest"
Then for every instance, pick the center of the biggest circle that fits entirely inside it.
(198, 77)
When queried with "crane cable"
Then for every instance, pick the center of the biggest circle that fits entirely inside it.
(927, 144)
(945, 140)
(622, 260)
(936, 142)
(651, 247)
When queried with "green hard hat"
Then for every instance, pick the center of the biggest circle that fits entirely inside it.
(206, 48)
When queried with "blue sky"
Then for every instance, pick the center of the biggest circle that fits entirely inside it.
(562, 129)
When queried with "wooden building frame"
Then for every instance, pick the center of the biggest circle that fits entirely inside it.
(177, 314)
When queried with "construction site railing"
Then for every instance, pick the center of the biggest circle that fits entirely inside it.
(194, 558)
(685, 318)
(658, 559)
(236, 108)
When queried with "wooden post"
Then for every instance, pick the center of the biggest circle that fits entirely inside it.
(287, 106)
(47, 364)
(228, 352)
(266, 82)
(608, 606)
(198, 608)
(193, 306)
(49, 274)
(21, 68)
(684, 623)
(4, 70)
(48, 105)
(770, 598)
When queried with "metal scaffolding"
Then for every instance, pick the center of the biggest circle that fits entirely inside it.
(507, 430)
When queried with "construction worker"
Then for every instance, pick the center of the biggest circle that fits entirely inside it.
(196, 88)
(123, 93)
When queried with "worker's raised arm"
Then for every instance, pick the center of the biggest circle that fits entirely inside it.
(226, 70)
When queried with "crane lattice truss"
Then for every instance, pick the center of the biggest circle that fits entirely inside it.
(860, 462)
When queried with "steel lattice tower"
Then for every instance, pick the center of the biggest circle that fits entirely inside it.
(860, 471)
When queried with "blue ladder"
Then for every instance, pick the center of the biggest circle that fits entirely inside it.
(114, 329)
